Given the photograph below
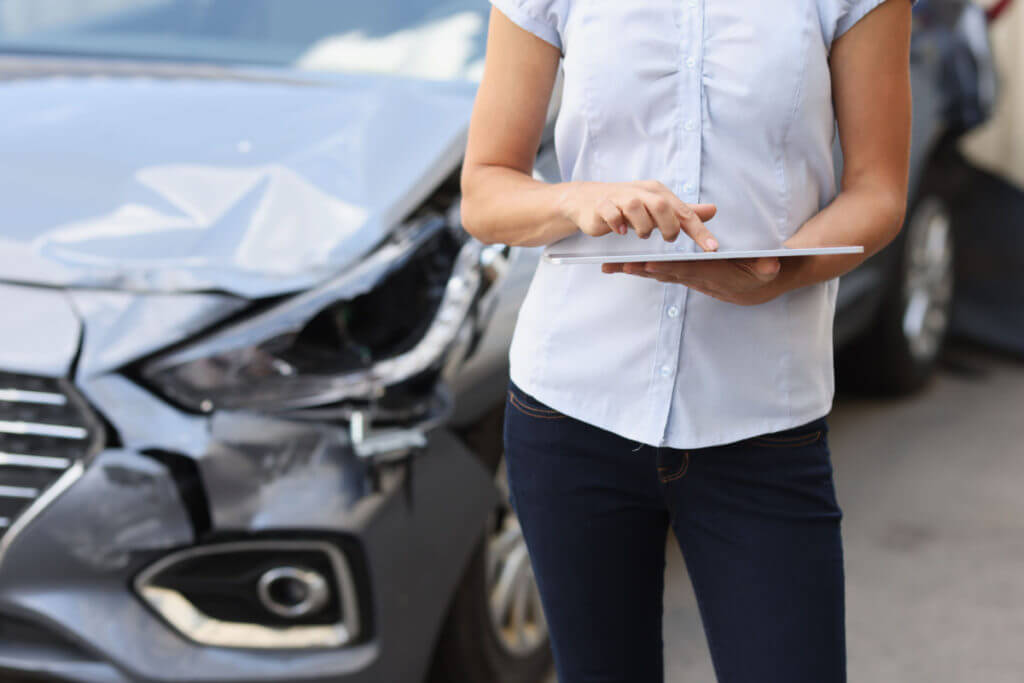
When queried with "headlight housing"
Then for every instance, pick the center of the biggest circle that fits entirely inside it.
(387, 321)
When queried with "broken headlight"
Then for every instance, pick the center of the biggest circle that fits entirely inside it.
(389, 320)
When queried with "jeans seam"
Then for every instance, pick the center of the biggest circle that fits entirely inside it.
(534, 412)
(678, 474)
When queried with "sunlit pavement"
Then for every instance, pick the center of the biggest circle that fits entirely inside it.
(932, 489)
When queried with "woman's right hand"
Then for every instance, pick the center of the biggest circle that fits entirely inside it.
(647, 205)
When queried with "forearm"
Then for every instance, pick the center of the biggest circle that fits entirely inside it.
(503, 205)
(866, 216)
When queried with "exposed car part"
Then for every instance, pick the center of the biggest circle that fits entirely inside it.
(341, 340)
(47, 434)
(269, 594)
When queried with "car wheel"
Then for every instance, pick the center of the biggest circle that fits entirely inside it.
(495, 631)
(900, 350)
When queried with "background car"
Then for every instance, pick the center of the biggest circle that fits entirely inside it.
(252, 369)
(894, 311)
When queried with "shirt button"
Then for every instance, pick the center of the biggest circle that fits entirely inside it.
(665, 371)
(689, 187)
(673, 311)
(690, 125)
(691, 62)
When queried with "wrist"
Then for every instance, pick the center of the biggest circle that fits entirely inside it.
(566, 204)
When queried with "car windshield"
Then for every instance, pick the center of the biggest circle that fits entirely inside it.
(436, 39)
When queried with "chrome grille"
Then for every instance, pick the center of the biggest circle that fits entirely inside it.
(45, 429)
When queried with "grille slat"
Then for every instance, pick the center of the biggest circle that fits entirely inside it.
(27, 396)
(18, 492)
(45, 428)
(45, 462)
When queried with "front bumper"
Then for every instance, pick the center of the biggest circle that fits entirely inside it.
(67, 575)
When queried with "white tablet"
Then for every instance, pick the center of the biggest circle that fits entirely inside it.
(567, 257)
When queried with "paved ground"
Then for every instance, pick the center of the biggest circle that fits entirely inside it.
(931, 489)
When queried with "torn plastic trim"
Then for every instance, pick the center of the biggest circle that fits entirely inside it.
(291, 315)
(459, 295)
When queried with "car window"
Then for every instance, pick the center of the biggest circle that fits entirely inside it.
(424, 38)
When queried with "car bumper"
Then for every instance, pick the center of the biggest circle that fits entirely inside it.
(65, 580)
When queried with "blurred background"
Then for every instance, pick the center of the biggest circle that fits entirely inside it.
(253, 369)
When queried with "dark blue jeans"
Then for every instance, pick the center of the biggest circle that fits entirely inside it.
(757, 522)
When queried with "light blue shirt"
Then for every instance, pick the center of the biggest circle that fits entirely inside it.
(724, 101)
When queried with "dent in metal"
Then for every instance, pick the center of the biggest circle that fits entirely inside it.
(265, 207)
(264, 473)
(123, 326)
(121, 503)
(253, 186)
(141, 510)
(142, 420)
(396, 529)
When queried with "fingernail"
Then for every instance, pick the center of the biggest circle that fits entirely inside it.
(712, 244)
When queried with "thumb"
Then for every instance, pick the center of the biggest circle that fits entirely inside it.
(766, 269)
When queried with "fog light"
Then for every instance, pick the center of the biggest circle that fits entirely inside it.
(293, 593)
(256, 594)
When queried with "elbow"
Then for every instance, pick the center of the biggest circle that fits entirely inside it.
(469, 213)
(895, 214)
(470, 221)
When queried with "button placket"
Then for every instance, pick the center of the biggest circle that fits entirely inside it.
(690, 103)
(690, 107)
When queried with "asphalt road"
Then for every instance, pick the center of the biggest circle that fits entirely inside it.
(931, 490)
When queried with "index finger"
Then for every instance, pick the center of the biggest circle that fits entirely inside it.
(691, 222)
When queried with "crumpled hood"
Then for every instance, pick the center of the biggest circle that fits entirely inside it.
(179, 178)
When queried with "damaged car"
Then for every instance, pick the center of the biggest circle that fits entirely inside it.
(252, 368)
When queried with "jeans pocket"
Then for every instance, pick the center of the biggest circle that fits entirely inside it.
(528, 405)
(672, 464)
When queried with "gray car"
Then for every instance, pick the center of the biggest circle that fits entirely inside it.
(252, 368)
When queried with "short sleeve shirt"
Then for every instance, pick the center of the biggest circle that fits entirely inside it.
(724, 101)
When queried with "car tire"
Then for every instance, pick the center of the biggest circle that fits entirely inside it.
(471, 647)
(900, 350)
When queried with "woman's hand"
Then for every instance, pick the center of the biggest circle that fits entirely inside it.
(646, 205)
(745, 282)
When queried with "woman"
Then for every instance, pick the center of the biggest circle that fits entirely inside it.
(686, 394)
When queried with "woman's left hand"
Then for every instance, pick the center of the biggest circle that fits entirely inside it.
(745, 282)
